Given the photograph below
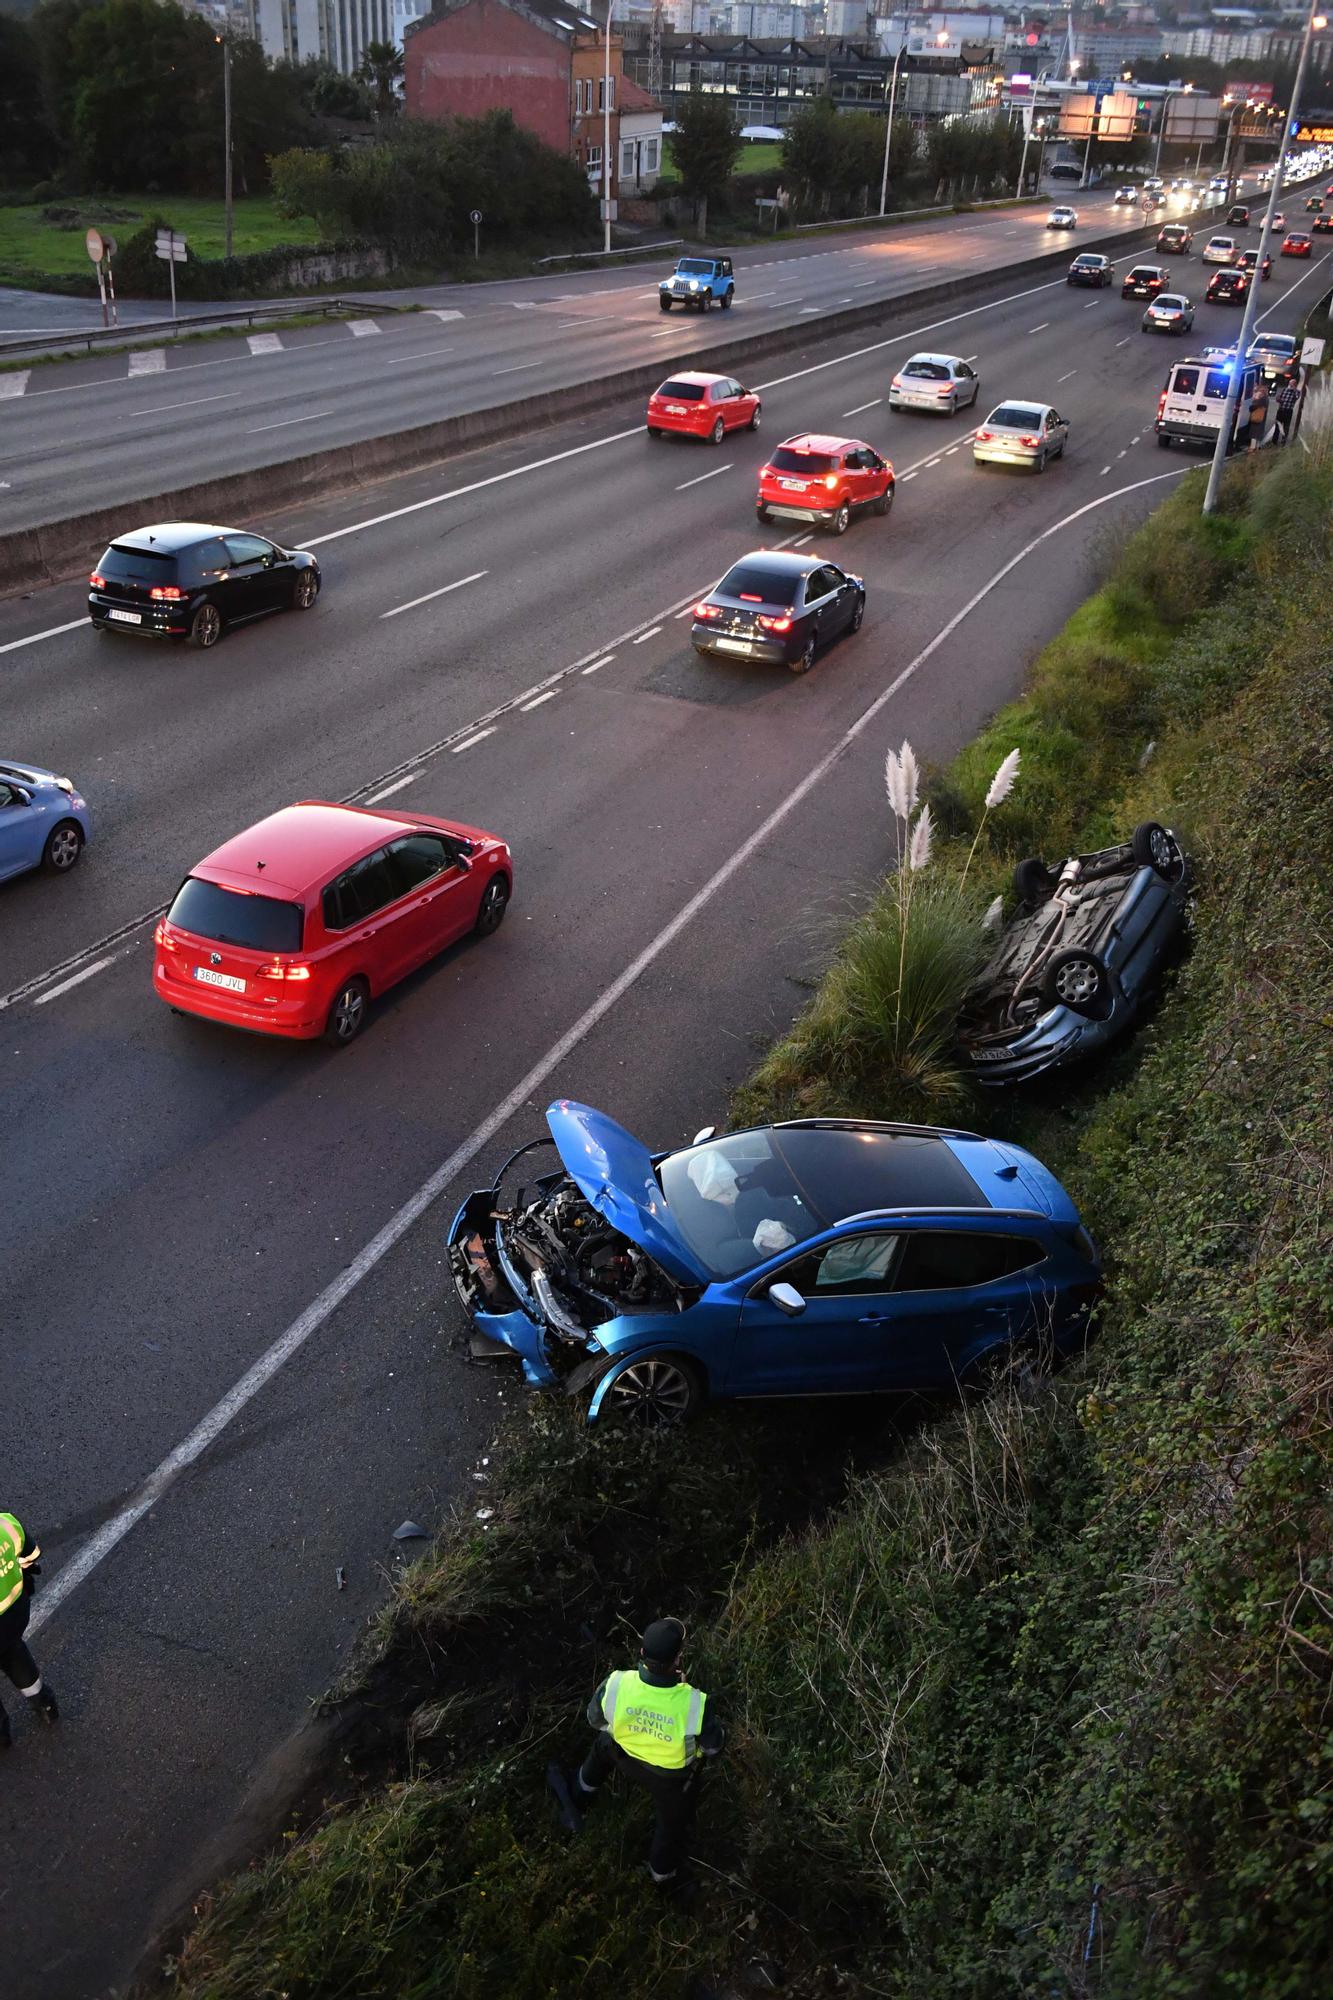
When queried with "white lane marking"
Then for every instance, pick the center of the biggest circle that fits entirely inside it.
(361, 327)
(98, 965)
(665, 334)
(391, 359)
(521, 369)
(441, 312)
(1120, 454)
(931, 463)
(1066, 378)
(1105, 469)
(287, 421)
(597, 665)
(1125, 342)
(801, 541)
(971, 357)
(398, 785)
(873, 404)
(1039, 329)
(264, 343)
(904, 476)
(210, 1427)
(589, 319)
(456, 749)
(527, 707)
(148, 361)
(443, 591)
(806, 310)
(51, 632)
(13, 382)
(651, 633)
(191, 403)
(950, 452)
(705, 475)
(1091, 303)
(750, 297)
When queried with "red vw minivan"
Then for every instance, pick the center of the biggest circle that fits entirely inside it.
(294, 926)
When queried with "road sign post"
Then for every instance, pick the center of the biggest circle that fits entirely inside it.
(171, 248)
(108, 252)
(93, 244)
(476, 232)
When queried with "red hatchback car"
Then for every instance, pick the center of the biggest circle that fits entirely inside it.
(815, 478)
(292, 927)
(703, 406)
(1298, 244)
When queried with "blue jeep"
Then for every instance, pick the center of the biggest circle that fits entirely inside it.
(697, 281)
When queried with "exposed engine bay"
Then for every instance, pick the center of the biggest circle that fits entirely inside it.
(579, 1270)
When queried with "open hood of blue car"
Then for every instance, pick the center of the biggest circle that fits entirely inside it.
(615, 1175)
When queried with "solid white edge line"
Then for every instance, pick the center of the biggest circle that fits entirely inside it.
(443, 591)
(100, 1544)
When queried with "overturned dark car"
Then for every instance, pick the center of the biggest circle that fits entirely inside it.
(1077, 960)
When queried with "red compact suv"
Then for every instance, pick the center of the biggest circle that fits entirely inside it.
(292, 927)
(815, 478)
(706, 406)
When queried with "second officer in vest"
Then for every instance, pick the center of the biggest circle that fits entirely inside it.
(656, 1728)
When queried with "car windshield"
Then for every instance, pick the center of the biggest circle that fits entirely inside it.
(137, 565)
(934, 371)
(1015, 416)
(1142, 273)
(1169, 302)
(684, 392)
(1088, 263)
(785, 459)
(799, 1180)
(694, 267)
(764, 586)
(228, 916)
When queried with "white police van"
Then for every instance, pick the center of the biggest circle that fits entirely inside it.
(1192, 406)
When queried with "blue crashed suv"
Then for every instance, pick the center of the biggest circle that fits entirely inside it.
(44, 822)
(816, 1257)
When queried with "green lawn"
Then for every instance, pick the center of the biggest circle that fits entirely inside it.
(48, 237)
(757, 156)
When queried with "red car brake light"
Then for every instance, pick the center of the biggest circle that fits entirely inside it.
(162, 937)
(1161, 402)
(985, 435)
(782, 624)
(749, 597)
(708, 610)
(96, 581)
(765, 472)
(167, 593)
(831, 481)
(278, 971)
(1028, 440)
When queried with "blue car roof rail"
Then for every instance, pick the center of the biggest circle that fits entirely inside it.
(870, 1125)
(939, 1208)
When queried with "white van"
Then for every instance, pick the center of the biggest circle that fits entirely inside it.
(1191, 407)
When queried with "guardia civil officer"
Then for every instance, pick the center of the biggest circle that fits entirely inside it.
(652, 1725)
(18, 1563)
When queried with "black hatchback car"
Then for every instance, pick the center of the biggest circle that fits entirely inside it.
(184, 580)
(779, 607)
(1228, 288)
(1089, 269)
(1145, 281)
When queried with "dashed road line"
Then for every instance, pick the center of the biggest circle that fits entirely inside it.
(801, 541)
(931, 464)
(1039, 329)
(873, 404)
(288, 421)
(903, 477)
(1105, 469)
(430, 595)
(264, 343)
(190, 403)
(521, 369)
(469, 742)
(526, 707)
(51, 632)
(398, 785)
(950, 452)
(76, 979)
(417, 352)
(1066, 378)
(1125, 342)
(597, 665)
(704, 475)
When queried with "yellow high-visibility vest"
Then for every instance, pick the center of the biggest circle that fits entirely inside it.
(11, 1569)
(658, 1725)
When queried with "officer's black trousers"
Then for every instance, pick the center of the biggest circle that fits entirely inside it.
(15, 1660)
(674, 1795)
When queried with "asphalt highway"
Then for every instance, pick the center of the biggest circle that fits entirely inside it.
(89, 432)
(228, 1328)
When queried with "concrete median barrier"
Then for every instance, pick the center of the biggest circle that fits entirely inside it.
(54, 551)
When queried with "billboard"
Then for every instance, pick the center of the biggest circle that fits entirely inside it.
(1259, 92)
(1191, 119)
(1088, 117)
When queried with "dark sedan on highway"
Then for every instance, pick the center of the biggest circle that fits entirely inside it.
(779, 607)
(1145, 281)
(1089, 269)
(1228, 288)
(184, 580)
(1083, 950)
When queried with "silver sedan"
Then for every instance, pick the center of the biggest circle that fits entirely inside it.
(1021, 434)
(1169, 312)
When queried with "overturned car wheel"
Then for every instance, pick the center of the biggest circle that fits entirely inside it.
(1033, 880)
(654, 1392)
(1077, 980)
(1159, 850)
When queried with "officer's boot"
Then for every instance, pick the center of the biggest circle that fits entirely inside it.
(44, 1702)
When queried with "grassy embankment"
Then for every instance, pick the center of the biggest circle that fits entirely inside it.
(1037, 1702)
(45, 240)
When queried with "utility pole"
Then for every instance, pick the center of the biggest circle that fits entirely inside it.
(888, 130)
(1313, 23)
(606, 135)
(225, 40)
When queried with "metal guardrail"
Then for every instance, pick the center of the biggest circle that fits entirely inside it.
(184, 325)
(621, 250)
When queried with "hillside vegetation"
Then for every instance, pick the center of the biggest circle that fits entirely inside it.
(1030, 1697)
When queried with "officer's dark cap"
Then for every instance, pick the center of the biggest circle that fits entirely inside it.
(662, 1641)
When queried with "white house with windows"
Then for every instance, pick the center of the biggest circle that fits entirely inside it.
(638, 141)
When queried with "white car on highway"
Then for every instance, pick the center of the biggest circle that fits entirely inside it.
(1220, 250)
(1020, 434)
(1062, 218)
(1123, 195)
(943, 382)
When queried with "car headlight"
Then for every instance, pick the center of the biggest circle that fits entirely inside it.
(694, 284)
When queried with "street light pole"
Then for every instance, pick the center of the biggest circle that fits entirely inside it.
(606, 135)
(888, 129)
(1314, 22)
(225, 40)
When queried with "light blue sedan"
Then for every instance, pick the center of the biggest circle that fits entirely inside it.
(821, 1257)
(44, 821)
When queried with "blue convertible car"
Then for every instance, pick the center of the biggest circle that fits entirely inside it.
(819, 1257)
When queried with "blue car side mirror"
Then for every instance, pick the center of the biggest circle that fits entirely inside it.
(787, 1300)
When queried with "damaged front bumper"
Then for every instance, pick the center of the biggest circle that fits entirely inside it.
(503, 1312)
